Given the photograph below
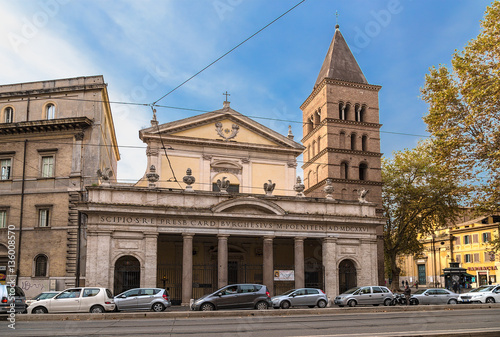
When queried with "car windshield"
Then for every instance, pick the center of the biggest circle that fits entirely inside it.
(420, 291)
(350, 291)
(44, 296)
(482, 289)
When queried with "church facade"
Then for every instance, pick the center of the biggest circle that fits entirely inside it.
(238, 214)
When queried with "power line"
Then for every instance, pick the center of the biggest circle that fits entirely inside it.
(227, 53)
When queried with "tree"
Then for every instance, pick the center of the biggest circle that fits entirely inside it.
(419, 195)
(464, 112)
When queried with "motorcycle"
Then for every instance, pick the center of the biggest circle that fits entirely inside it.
(398, 299)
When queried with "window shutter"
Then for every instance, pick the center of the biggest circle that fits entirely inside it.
(475, 238)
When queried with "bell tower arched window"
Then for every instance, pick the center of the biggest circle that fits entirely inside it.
(344, 170)
(364, 141)
(363, 171)
(353, 141)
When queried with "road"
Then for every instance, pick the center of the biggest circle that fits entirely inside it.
(348, 324)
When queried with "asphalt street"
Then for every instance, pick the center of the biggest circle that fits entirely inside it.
(426, 321)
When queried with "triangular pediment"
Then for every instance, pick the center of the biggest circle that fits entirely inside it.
(226, 126)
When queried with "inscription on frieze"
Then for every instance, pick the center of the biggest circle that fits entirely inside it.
(225, 224)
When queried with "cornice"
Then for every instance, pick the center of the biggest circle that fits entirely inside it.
(223, 144)
(343, 181)
(326, 81)
(327, 121)
(344, 151)
(52, 125)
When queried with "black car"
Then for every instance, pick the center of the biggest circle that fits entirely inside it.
(235, 296)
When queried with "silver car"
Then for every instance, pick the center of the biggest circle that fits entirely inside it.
(155, 299)
(370, 295)
(303, 296)
(434, 296)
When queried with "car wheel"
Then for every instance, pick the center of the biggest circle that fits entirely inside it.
(285, 305)
(39, 310)
(207, 307)
(452, 301)
(490, 300)
(96, 309)
(261, 305)
(351, 303)
(387, 302)
(158, 307)
(321, 303)
(414, 301)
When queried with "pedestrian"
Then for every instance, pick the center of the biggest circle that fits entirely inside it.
(402, 283)
(490, 282)
(416, 284)
(455, 287)
(407, 283)
(407, 294)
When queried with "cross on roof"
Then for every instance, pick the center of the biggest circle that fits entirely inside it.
(226, 94)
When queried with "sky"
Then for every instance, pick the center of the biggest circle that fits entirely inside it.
(145, 49)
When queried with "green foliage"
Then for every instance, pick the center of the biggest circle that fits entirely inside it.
(419, 194)
(464, 112)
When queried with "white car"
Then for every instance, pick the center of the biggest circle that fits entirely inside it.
(483, 294)
(87, 299)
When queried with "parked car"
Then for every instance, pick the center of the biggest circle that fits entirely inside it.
(87, 299)
(483, 294)
(303, 296)
(434, 296)
(155, 299)
(9, 295)
(42, 296)
(235, 296)
(373, 295)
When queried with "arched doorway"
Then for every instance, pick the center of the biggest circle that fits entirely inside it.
(127, 274)
(347, 275)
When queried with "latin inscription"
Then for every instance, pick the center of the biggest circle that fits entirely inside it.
(231, 224)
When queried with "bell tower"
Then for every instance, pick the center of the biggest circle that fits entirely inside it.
(341, 129)
(342, 135)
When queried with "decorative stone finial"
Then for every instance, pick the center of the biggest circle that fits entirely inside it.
(189, 180)
(299, 187)
(362, 196)
(154, 122)
(105, 175)
(328, 189)
(223, 184)
(290, 134)
(269, 188)
(152, 176)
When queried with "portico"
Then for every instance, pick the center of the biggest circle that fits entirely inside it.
(216, 243)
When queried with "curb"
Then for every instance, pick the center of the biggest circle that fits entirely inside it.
(245, 313)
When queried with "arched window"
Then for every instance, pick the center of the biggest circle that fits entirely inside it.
(342, 140)
(319, 145)
(8, 115)
(364, 141)
(363, 170)
(343, 194)
(362, 113)
(309, 153)
(309, 182)
(357, 113)
(341, 111)
(41, 265)
(50, 111)
(317, 174)
(353, 141)
(344, 170)
(314, 148)
(347, 112)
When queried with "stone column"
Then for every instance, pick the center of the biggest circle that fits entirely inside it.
(330, 267)
(222, 260)
(299, 262)
(268, 268)
(187, 268)
(150, 260)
